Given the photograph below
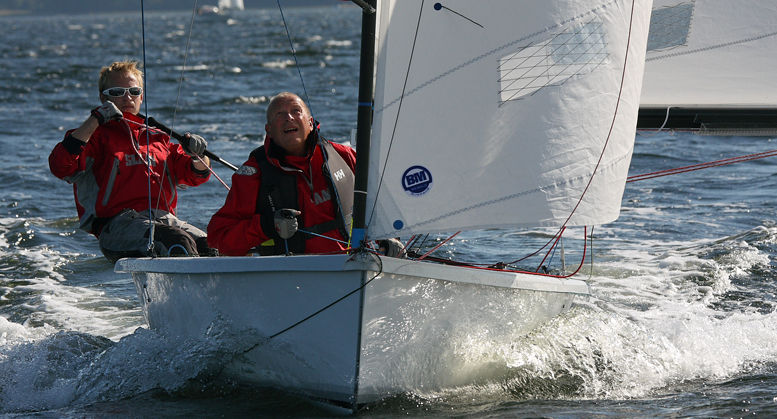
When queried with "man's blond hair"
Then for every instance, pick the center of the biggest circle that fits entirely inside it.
(119, 67)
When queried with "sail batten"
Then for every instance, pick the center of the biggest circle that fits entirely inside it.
(503, 123)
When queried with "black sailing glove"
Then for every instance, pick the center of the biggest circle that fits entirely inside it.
(197, 145)
(286, 222)
(106, 112)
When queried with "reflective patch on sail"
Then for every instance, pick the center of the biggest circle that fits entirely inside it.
(552, 62)
(670, 26)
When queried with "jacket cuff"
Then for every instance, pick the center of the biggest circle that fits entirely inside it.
(201, 173)
(73, 145)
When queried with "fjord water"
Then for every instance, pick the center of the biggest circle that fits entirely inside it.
(681, 321)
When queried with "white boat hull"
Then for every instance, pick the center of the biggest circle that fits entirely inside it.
(343, 330)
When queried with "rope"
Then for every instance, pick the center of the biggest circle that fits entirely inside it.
(439, 245)
(604, 148)
(716, 163)
(662, 125)
(552, 250)
(156, 130)
(361, 287)
(612, 125)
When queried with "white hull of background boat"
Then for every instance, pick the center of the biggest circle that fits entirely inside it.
(395, 325)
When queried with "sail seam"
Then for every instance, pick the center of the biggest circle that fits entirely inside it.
(711, 47)
(494, 51)
(518, 195)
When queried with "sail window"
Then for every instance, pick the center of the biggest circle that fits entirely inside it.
(670, 26)
(552, 62)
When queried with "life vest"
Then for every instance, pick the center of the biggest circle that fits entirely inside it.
(279, 190)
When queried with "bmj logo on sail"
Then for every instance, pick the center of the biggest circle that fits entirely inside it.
(417, 181)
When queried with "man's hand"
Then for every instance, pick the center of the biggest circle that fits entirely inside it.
(286, 222)
(106, 112)
(197, 145)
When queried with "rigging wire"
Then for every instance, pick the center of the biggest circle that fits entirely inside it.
(296, 62)
(183, 67)
(399, 110)
(165, 170)
(310, 108)
(591, 274)
(148, 134)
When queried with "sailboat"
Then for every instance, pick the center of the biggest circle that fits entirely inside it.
(709, 68)
(230, 5)
(472, 115)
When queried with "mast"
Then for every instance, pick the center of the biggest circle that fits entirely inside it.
(364, 120)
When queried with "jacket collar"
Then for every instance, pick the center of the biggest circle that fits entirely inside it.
(276, 153)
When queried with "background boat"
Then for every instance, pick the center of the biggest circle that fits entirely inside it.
(680, 320)
(708, 70)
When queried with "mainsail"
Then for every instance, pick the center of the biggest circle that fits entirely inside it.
(499, 113)
(713, 63)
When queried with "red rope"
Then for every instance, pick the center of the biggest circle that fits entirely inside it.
(156, 130)
(439, 245)
(716, 163)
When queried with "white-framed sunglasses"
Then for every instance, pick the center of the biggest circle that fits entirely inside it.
(121, 91)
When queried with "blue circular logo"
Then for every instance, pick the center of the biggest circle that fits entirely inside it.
(417, 181)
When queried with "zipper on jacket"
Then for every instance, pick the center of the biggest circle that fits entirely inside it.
(111, 180)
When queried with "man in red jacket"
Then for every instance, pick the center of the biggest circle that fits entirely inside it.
(113, 163)
(293, 195)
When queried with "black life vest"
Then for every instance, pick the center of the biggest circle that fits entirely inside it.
(279, 190)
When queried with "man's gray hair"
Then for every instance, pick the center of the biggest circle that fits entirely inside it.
(283, 95)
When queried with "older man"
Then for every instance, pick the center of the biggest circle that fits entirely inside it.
(293, 195)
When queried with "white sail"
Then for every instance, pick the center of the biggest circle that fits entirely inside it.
(712, 53)
(509, 108)
(231, 4)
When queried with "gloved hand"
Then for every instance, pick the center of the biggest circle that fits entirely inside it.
(106, 112)
(197, 145)
(286, 222)
(390, 247)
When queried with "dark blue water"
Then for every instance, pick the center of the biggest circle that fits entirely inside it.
(681, 322)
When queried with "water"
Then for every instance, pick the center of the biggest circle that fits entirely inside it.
(681, 322)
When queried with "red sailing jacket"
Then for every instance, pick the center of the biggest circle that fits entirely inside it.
(109, 173)
(236, 229)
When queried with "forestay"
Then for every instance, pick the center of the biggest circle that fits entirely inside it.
(508, 107)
